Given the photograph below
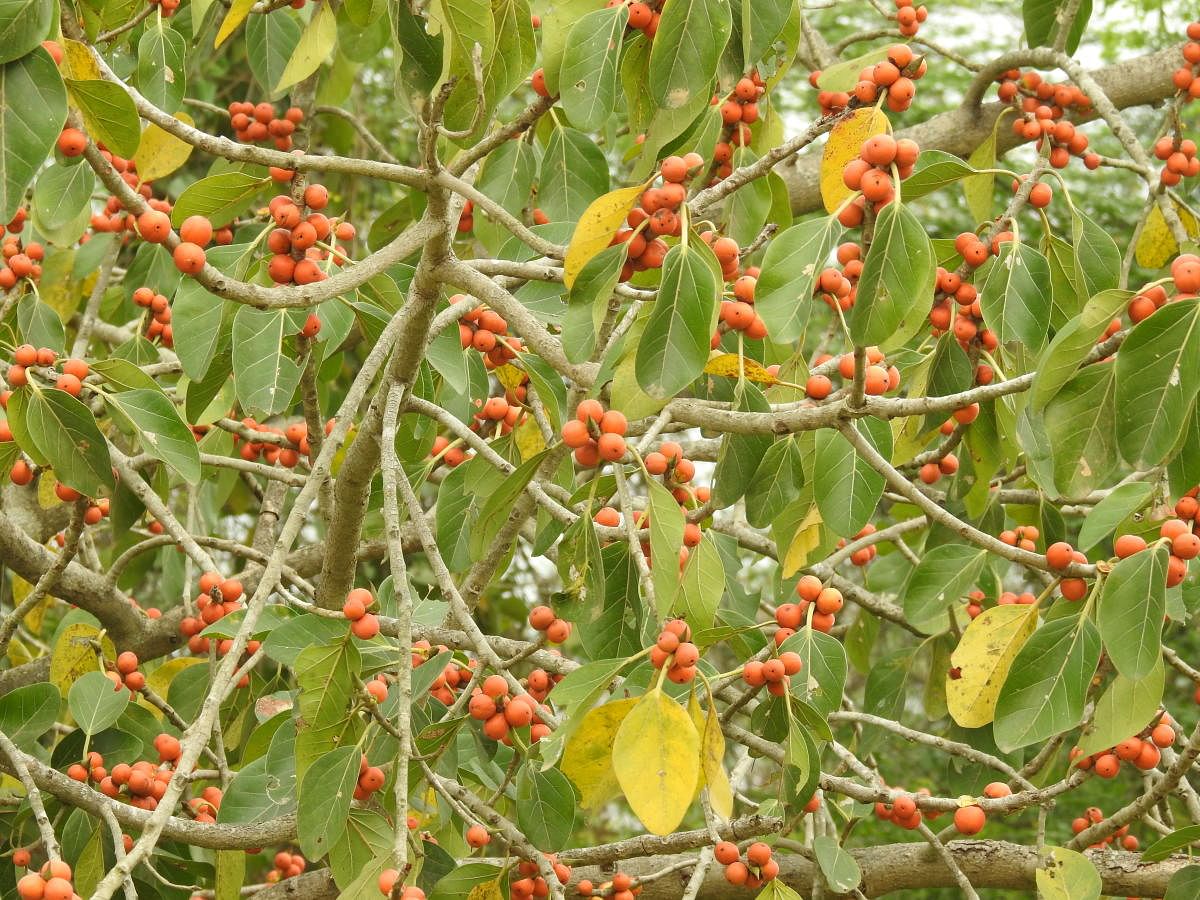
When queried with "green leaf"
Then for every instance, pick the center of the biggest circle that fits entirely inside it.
(499, 504)
(674, 347)
(588, 78)
(821, 681)
(60, 194)
(1184, 884)
(265, 376)
(1067, 875)
(1071, 345)
(31, 117)
(162, 67)
(196, 317)
(23, 24)
(1097, 259)
(943, 576)
(1158, 376)
(683, 63)
(546, 804)
(368, 838)
(741, 454)
(791, 266)
(270, 42)
(849, 489)
(1124, 708)
(324, 800)
(978, 190)
(897, 280)
(1130, 612)
(777, 483)
(666, 537)
(840, 869)
(326, 674)
(161, 431)
(1041, 22)
(40, 325)
(574, 173)
(1079, 425)
(1045, 692)
(843, 76)
(1124, 501)
(463, 23)
(56, 429)
(750, 206)
(230, 874)
(219, 198)
(459, 882)
(28, 712)
(701, 585)
(588, 300)
(1168, 844)
(935, 170)
(108, 114)
(1014, 299)
(95, 703)
(314, 46)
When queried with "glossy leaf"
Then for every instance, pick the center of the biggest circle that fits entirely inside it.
(315, 44)
(1125, 707)
(23, 24)
(588, 78)
(701, 585)
(683, 63)
(943, 576)
(849, 489)
(161, 69)
(108, 114)
(935, 170)
(897, 280)
(1014, 299)
(266, 377)
(1130, 612)
(791, 266)
(55, 428)
(219, 198)
(1157, 379)
(161, 431)
(1124, 501)
(31, 117)
(674, 347)
(1045, 692)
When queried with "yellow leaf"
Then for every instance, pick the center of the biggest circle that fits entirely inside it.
(18, 653)
(982, 660)
(509, 376)
(845, 141)
(712, 758)
(596, 228)
(656, 757)
(1156, 244)
(489, 890)
(726, 364)
(160, 153)
(74, 654)
(587, 758)
(804, 541)
(530, 441)
(314, 47)
(47, 499)
(78, 63)
(238, 10)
